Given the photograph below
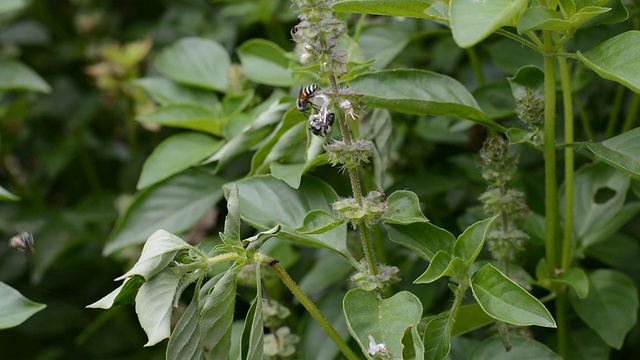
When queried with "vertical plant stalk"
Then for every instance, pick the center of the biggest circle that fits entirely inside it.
(615, 112)
(550, 181)
(463, 285)
(633, 112)
(475, 65)
(312, 309)
(365, 236)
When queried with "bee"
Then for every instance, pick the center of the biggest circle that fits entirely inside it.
(320, 123)
(306, 93)
(23, 242)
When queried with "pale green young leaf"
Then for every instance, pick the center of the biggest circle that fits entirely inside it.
(154, 304)
(442, 264)
(15, 75)
(159, 250)
(123, 294)
(504, 300)
(232, 221)
(410, 8)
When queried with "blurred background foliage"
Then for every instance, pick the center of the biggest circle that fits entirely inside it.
(74, 155)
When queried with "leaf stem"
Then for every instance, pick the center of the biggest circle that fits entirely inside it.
(517, 38)
(551, 186)
(615, 111)
(475, 65)
(457, 301)
(633, 112)
(567, 98)
(584, 119)
(311, 308)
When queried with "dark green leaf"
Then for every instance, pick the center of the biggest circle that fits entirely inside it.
(174, 205)
(504, 300)
(617, 59)
(265, 63)
(318, 222)
(266, 202)
(473, 21)
(599, 198)
(611, 307)
(15, 308)
(384, 319)
(197, 62)
(470, 317)
(523, 348)
(14, 75)
(437, 338)
(382, 43)
(495, 99)
(404, 208)
(585, 344)
(422, 93)
(425, 239)
(412, 346)
(175, 154)
(329, 268)
(186, 116)
(154, 305)
(620, 152)
(577, 279)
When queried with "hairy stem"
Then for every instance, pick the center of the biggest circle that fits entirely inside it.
(312, 309)
(567, 98)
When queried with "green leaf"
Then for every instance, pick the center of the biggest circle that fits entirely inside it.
(12, 5)
(611, 308)
(437, 338)
(175, 154)
(186, 116)
(473, 21)
(232, 221)
(157, 253)
(542, 18)
(265, 63)
(15, 308)
(15, 75)
(253, 331)
(577, 279)
(523, 348)
(495, 99)
(124, 294)
(621, 152)
(167, 92)
(154, 305)
(384, 319)
(420, 92)
(292, 173)
(266, 202)
(470, 317)
(510, 55)
(442, 264)
(186, 339)
(404, 208)
(412, 346)
(7, 196)
(174, 204)
(616, 59)
(585, 344)
(288, 136)
(217, 316)
(328, 269)
(410, 8)
(469, 244)
(504, 300)
(521, 136)
(318, 222)
(382, 43)
(197, 62)
(425, 239)
(252, 134)
(600, 194)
